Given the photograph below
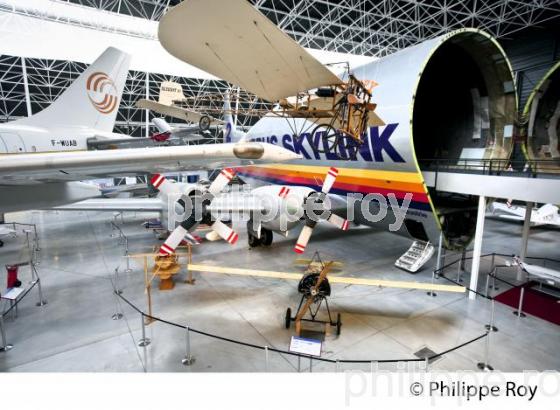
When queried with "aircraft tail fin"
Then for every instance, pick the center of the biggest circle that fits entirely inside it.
(93, 99)
(231, 134)
(170, 91)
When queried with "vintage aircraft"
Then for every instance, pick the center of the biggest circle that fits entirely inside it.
(545, 215)
(43, 156)
(446, 98)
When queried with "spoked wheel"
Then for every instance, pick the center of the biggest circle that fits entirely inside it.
(329, 138)
(338, 324)
(337, 142)
(288, 319)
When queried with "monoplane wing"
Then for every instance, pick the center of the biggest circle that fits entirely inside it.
(241, 46)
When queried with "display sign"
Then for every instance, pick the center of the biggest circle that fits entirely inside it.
(310, 347)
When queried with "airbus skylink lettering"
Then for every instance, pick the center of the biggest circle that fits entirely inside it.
(376, 139)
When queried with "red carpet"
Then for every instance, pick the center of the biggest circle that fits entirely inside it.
(535, 303)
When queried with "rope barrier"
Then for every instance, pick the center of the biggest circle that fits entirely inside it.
(286, 352)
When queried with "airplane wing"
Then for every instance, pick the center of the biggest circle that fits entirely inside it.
(6, 231)
(175, 112)
(115, 204)
(25, 169)
(541, 272)
(241, 46)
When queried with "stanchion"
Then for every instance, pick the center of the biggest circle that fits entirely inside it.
(431, 292)
(298, 363)
(266, 358)
(127, 270)
(5, 345)
(459, 280)
(117, 290)
(519, 311)
(485, 365)
(144, 341)
(491, 326)
(189, 358)
(41, 302)
(117, 315)
(310, 364)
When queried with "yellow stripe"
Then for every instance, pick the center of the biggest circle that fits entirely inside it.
(335, 279)
(412, 177)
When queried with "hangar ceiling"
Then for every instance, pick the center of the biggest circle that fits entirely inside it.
(366, 27)
(371, 27)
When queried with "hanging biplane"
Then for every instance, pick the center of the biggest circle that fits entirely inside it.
(339, 109)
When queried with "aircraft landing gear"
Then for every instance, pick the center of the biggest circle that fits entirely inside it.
(264, 240)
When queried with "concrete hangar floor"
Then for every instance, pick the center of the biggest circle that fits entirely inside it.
(75, 332)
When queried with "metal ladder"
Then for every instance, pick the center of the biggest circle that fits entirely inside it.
(416, 256)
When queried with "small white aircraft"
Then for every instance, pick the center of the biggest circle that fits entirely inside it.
(550, 276)
(43, 156)
(545, 215)
(5, 231)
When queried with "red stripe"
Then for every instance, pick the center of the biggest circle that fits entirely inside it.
(365, 189)
(228, 173)
(157, 180)
(168, 248)
(234, 240)
(298, 250)
(230, 236)
(345, 225)
(281, 191)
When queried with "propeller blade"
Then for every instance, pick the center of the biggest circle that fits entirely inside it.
(329, 180)
(304, 236)
(338, 221)
(163, 185)
(221, 181)
(227, 234)
(173, 241)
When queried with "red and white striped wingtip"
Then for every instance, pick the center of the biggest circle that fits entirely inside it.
(338, 221)
(225, 232)
(284, 191)
(299, 248)
(157, 180)
(163, 185)
(221, 180)
(332, 173)
(165, 250)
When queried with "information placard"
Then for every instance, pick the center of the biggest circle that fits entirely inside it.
(310, 347)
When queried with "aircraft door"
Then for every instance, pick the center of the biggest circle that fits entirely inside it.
(12, 143)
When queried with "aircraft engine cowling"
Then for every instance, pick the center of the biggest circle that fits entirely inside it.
(447, 98)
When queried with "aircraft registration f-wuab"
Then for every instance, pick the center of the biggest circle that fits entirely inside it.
(43, 157)
(368, 130)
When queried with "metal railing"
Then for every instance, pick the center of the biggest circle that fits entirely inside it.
(498, 167)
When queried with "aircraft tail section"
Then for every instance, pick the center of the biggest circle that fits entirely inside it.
(231, 134)
(93, 99)
(169, 92)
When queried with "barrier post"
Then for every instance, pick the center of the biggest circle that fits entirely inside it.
(519, 311)
(266, 358)
(487, 284)
(491, 326)
(298, 363)
(485, 365)
(128, 270)
(144, 341)
(431, 292)
(41, 302)
(117, 315)
(310, 364)
(189, 358)
(117, 290)
(5, 345)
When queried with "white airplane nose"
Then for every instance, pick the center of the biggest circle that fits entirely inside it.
(263, 152)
